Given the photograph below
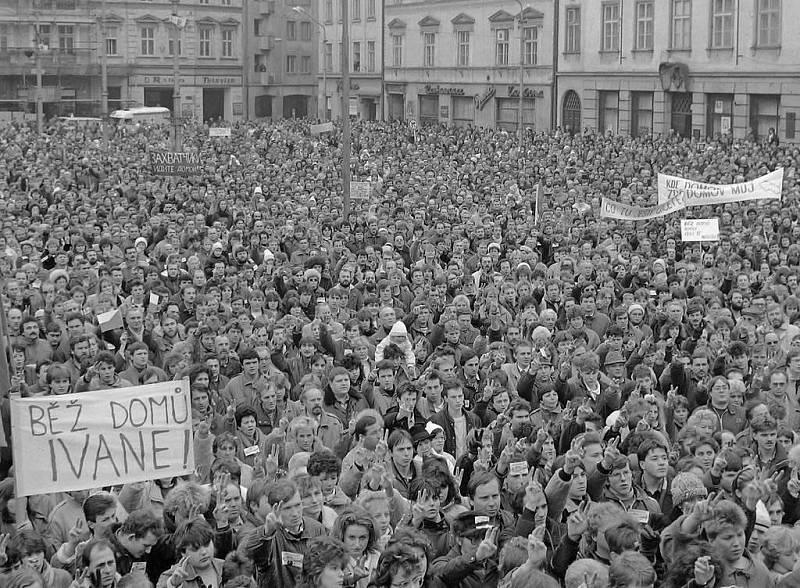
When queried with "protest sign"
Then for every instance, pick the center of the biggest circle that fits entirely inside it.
(322, 128)
(102, 438)
(360, 190)
(694, 193)
(166, 163)
(219, 132)
(700, 229)
(613, 209)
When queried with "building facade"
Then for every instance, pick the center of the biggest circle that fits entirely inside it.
(460, 62)
(281, 60)
(65, 39)
(693, 67)
(365, 57)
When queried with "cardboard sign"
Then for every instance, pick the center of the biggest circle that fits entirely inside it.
(360, 190)
(219, 132)
(700, 229)
(165, 163)
(102, 438)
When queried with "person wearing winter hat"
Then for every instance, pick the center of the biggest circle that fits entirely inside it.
(687, 490)
(398, 335)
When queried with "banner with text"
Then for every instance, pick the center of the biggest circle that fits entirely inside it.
(613, 209)
(700, 194)
(103, 438)
(322, 128)
(164, 163)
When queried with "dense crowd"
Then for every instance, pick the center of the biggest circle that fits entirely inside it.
(452, 385)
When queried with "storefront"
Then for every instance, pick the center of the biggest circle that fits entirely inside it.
(204, 97)
(478, 105)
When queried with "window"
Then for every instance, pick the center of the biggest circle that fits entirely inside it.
(370, 56)
(291, 30)
(205, 42)
(43, 36)
(429, 49)
(644, 25)
(226, 2)
(531, 45)
(227, 42)
(291, 64)
(719, 114)
(507, 113)
(3, 38)
(305, 30)
(611, 27)
(397, 50)
(111, 41)
(305, 64)
(573, 30)
(608, 119)
(371, 10)
(769, 23)
(681, 24)
(148, 36)
(170, 46)
(355, 10)
(328, 10)
(328, 59)
(721, 24)
(764, 113)
(681, 113)
(463, 48)
(66, 38)
(501, 47)
(642, 114)
(356, 56)
(201, 1)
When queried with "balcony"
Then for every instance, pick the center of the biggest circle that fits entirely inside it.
(265, 42)
(72, 62)
(264, 78)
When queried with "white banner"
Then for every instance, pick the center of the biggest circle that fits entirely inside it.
(103, 438)
(700, 229)
(322, 128)
(613, 209)
(360, 190)
(219, 132)
(700, 194)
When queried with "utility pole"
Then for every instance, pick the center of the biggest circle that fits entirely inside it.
(345, 110)
(38, 57)
(103, 75)
(176, 79)
(520, 124)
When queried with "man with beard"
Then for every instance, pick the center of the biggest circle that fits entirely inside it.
(329, 428)
(355, 298)
(80, 357)
(778, 322)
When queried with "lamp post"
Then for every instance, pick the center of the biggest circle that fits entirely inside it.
(176, 76)
(323, 28)
(520, 125)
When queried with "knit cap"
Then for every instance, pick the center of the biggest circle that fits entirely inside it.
(686, 486)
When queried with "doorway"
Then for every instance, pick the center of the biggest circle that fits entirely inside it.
(213, 103)
(571, 112)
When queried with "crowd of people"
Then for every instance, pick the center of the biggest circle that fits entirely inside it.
(448, 384)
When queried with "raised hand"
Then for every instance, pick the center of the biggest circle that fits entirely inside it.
(273, 520)
(577, 523)
(488, 547)
(181, 573)
(79, 532)
(271, 462)
(611, 453)
(703, 571)
(221, 509)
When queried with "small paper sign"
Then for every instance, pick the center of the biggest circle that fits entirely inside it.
(700, 229)
(153, 298)
(518, 468)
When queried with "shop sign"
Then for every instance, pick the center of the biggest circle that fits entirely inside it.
(429, 89)
(513, 92)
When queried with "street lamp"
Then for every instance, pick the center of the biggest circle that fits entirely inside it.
(323, 28)
(521, 73)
